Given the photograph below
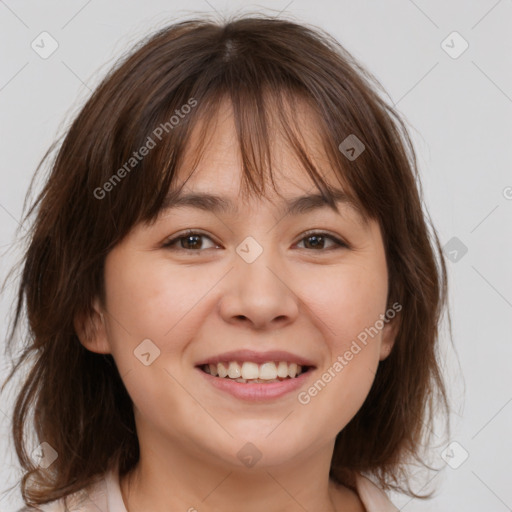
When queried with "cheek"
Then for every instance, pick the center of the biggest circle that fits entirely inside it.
(348, 304)
(149, 299)
(346, 301)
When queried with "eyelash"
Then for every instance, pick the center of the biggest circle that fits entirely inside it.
(169, 243)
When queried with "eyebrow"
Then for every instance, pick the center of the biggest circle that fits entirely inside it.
(219, 204)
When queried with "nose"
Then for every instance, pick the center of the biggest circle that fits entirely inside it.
(259, 294)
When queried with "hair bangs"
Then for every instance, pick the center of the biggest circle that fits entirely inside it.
(265, 117)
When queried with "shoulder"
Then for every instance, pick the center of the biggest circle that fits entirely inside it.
(54, 506)
(346, 499)
(90, 499)
(372, 496)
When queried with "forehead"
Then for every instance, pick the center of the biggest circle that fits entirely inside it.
(219, 170)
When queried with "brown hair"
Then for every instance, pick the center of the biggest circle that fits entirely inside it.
(81, 407)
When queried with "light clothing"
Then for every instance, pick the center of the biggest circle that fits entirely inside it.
(105, 496)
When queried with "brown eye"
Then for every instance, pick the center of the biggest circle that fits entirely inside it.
(189, 241)
(192, 241)
(317, 240)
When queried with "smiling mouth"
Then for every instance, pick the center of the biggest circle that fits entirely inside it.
(249, 372)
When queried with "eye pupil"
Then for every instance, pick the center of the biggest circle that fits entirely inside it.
(189, 237)
(318, 240)
(192, 242)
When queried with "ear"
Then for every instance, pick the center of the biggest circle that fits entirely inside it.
(389, 334)
(91, 329)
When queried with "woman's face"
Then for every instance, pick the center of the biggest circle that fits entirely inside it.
(255, 281)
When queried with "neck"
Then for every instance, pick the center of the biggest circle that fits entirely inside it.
(178, 479)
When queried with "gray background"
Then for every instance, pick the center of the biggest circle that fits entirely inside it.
(459, 113)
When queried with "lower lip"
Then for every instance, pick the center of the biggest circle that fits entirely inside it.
(256, 391)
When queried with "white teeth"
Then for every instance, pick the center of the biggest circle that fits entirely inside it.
(234, 370)
(268, 371)
(282, 369)
(250, 371)
(220, 369)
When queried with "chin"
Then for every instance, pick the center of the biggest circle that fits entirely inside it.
(250, 449)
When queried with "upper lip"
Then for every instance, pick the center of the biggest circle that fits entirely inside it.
(256, 357)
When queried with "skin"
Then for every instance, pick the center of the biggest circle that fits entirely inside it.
(296, 297)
